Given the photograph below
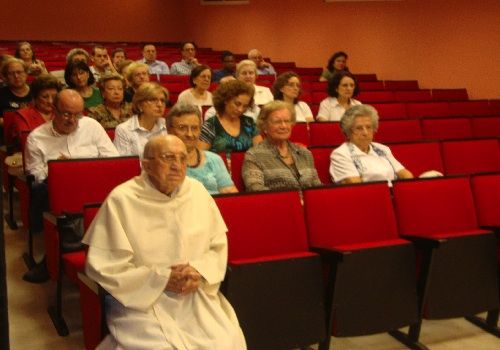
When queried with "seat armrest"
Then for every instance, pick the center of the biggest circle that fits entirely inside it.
(93, 286)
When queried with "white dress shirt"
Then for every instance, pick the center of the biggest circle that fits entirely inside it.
(331, 110)
(130, 137)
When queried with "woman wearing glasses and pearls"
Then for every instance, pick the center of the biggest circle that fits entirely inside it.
(148, 105)
(184, 121)
(277, 163)
(359, 159)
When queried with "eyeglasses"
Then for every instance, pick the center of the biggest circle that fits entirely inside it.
(185, 128)
(156, 101)
(171, 158)
(68, 115)
(16, 72)
(361, 128)
(281, 121)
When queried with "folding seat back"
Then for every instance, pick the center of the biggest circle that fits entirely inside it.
(8, 126)
(413, 95)
(371, 85)
(449, 94)
(419, 157)
(446, 128)
(390, 110)
(318, 96)
(401, 84)
(428, 109)
(470, 108)
(300, 134)
(321, 157)
(471, 156)
(321, 86)
(486, 190)
(376, 96)
(404, 130)
(325, 134)
(485, 126)
(111, 133)
(495, 107)
(235, 162)
(304, 71)
(366, 77)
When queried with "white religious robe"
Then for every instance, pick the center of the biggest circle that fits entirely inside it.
(136, 236)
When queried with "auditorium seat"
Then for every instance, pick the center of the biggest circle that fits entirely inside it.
(325, 134)
(458, 272)
(376, 96)
(413, 96)
(402, 130)
(446, 128)
(371, 85)
(470, 108)
(390, 110)
(401, 85)
(471, 156)
(427, 109)
(449, 94)
(366, 77)
(485, 126)
(273, 281)
(419, 157)
(370, 271)
(321, 157)
(300, 134)
(235, 165)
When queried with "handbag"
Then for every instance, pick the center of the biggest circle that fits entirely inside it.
(71, 231)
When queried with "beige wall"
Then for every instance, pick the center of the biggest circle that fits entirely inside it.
(441, 43)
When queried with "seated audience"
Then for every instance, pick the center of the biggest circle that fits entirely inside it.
(118, 55)
(359, 159)
(122, 68)
(16, 94)
(246, 72)
(184, 121)
(79, 77)
(76, 54)
(44, 90)
(68, 135)
(342, 87)
(230, 130)
(263, 67)
(287, 87)
(188, 62)
(228, 66)
(136, 75)
(114, 110)
(102, 62)
(24, 51)
(198, 94)
(336, 64)
(158, 246)
(276, 163)
(149, 107)
(3, 58)
(149, 57)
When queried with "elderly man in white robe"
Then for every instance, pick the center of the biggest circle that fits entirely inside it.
(158, 246)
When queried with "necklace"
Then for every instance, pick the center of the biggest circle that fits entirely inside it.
(198, 159)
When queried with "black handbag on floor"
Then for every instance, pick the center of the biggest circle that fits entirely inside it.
(71, 231)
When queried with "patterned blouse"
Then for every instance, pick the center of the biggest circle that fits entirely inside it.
(104, 116)
(213, 133)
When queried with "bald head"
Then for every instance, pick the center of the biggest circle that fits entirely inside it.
(160, 142)
(68, 111)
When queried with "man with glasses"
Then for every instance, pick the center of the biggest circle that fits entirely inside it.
(68, 135)
(158, 246)
(263, 67)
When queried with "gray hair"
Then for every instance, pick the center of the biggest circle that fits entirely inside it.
(76, 51)
(180, 109)
(350, 115)
(245, 63)
(272, 107)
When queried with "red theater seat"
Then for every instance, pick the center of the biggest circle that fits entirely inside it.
(419, 157)
(321, 157)
(401, 84)
(390, 110)
(428, 109)
(404, 130)
(471, 156)
(449, 94)
(325, 134)
(446, 129)
(413, 96)
(485, 126)
(470, 108)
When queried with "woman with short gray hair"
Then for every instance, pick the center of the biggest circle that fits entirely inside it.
(359, 159)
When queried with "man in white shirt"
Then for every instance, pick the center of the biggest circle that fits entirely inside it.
(149, 57)
(158, 245)
(102, 62)
(263, 67)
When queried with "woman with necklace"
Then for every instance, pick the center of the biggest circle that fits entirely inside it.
(79, 77)
(198, 94)
(184, 121)
(148, 105)
(17, 93)
(114, 110)
(277, 163)
(342, 87)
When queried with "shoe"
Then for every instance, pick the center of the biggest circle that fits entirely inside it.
(38, 273)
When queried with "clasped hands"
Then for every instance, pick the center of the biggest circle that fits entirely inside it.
(184, 279)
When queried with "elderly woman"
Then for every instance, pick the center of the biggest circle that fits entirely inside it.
(44, 89)
(359, 159)
(198, 94)
(184, 121)
(136, 73)
(230, 130)
(25, 52)
(336, 64)
(114, 110)
(246, 71)
(149, 105)
(341, 89)
(79, 77)
(17, 93)
(277, 163)
(287, 88)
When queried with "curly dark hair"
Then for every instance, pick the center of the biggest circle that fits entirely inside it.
(44, 81)
(281, 81)
(334, 82)
(229, 90)
(72, 66)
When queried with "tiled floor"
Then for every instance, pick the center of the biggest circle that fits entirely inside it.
(31, 327)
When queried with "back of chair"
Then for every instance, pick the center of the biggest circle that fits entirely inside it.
(390, 110)
(346, 215)
(402, 130)
(235, 162)
(401, 84)
(485, 126)
(434, 207)
(8, 126)
(486, 190)
(300, 134)
(428, 109)
(89, 212)
(470, 108)
(471, 156)
(449, 94)
(447, 128)
(321, 157)
(263, 224)
(74, 182)
(419, 157)
(325, 134)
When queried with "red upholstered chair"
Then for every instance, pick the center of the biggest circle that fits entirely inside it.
(319, 86)
(413, 95)
(376, 96)
(471, 156)
(458, 273)
(390, 110)
(495, 107)
(485, 126)
(366, 77)
(273, 281)
(403, 130)
(325, 134)
(300, 134)
(486, 190)
(428, 109)
(111, 133)
(401, 84)
(318, 96)
(371, 85)
(449, 94)
(71, 184)
(321, 157)
(447, 128)
(419, 157)
(470, 108)
(371, 271)
(234, 160)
